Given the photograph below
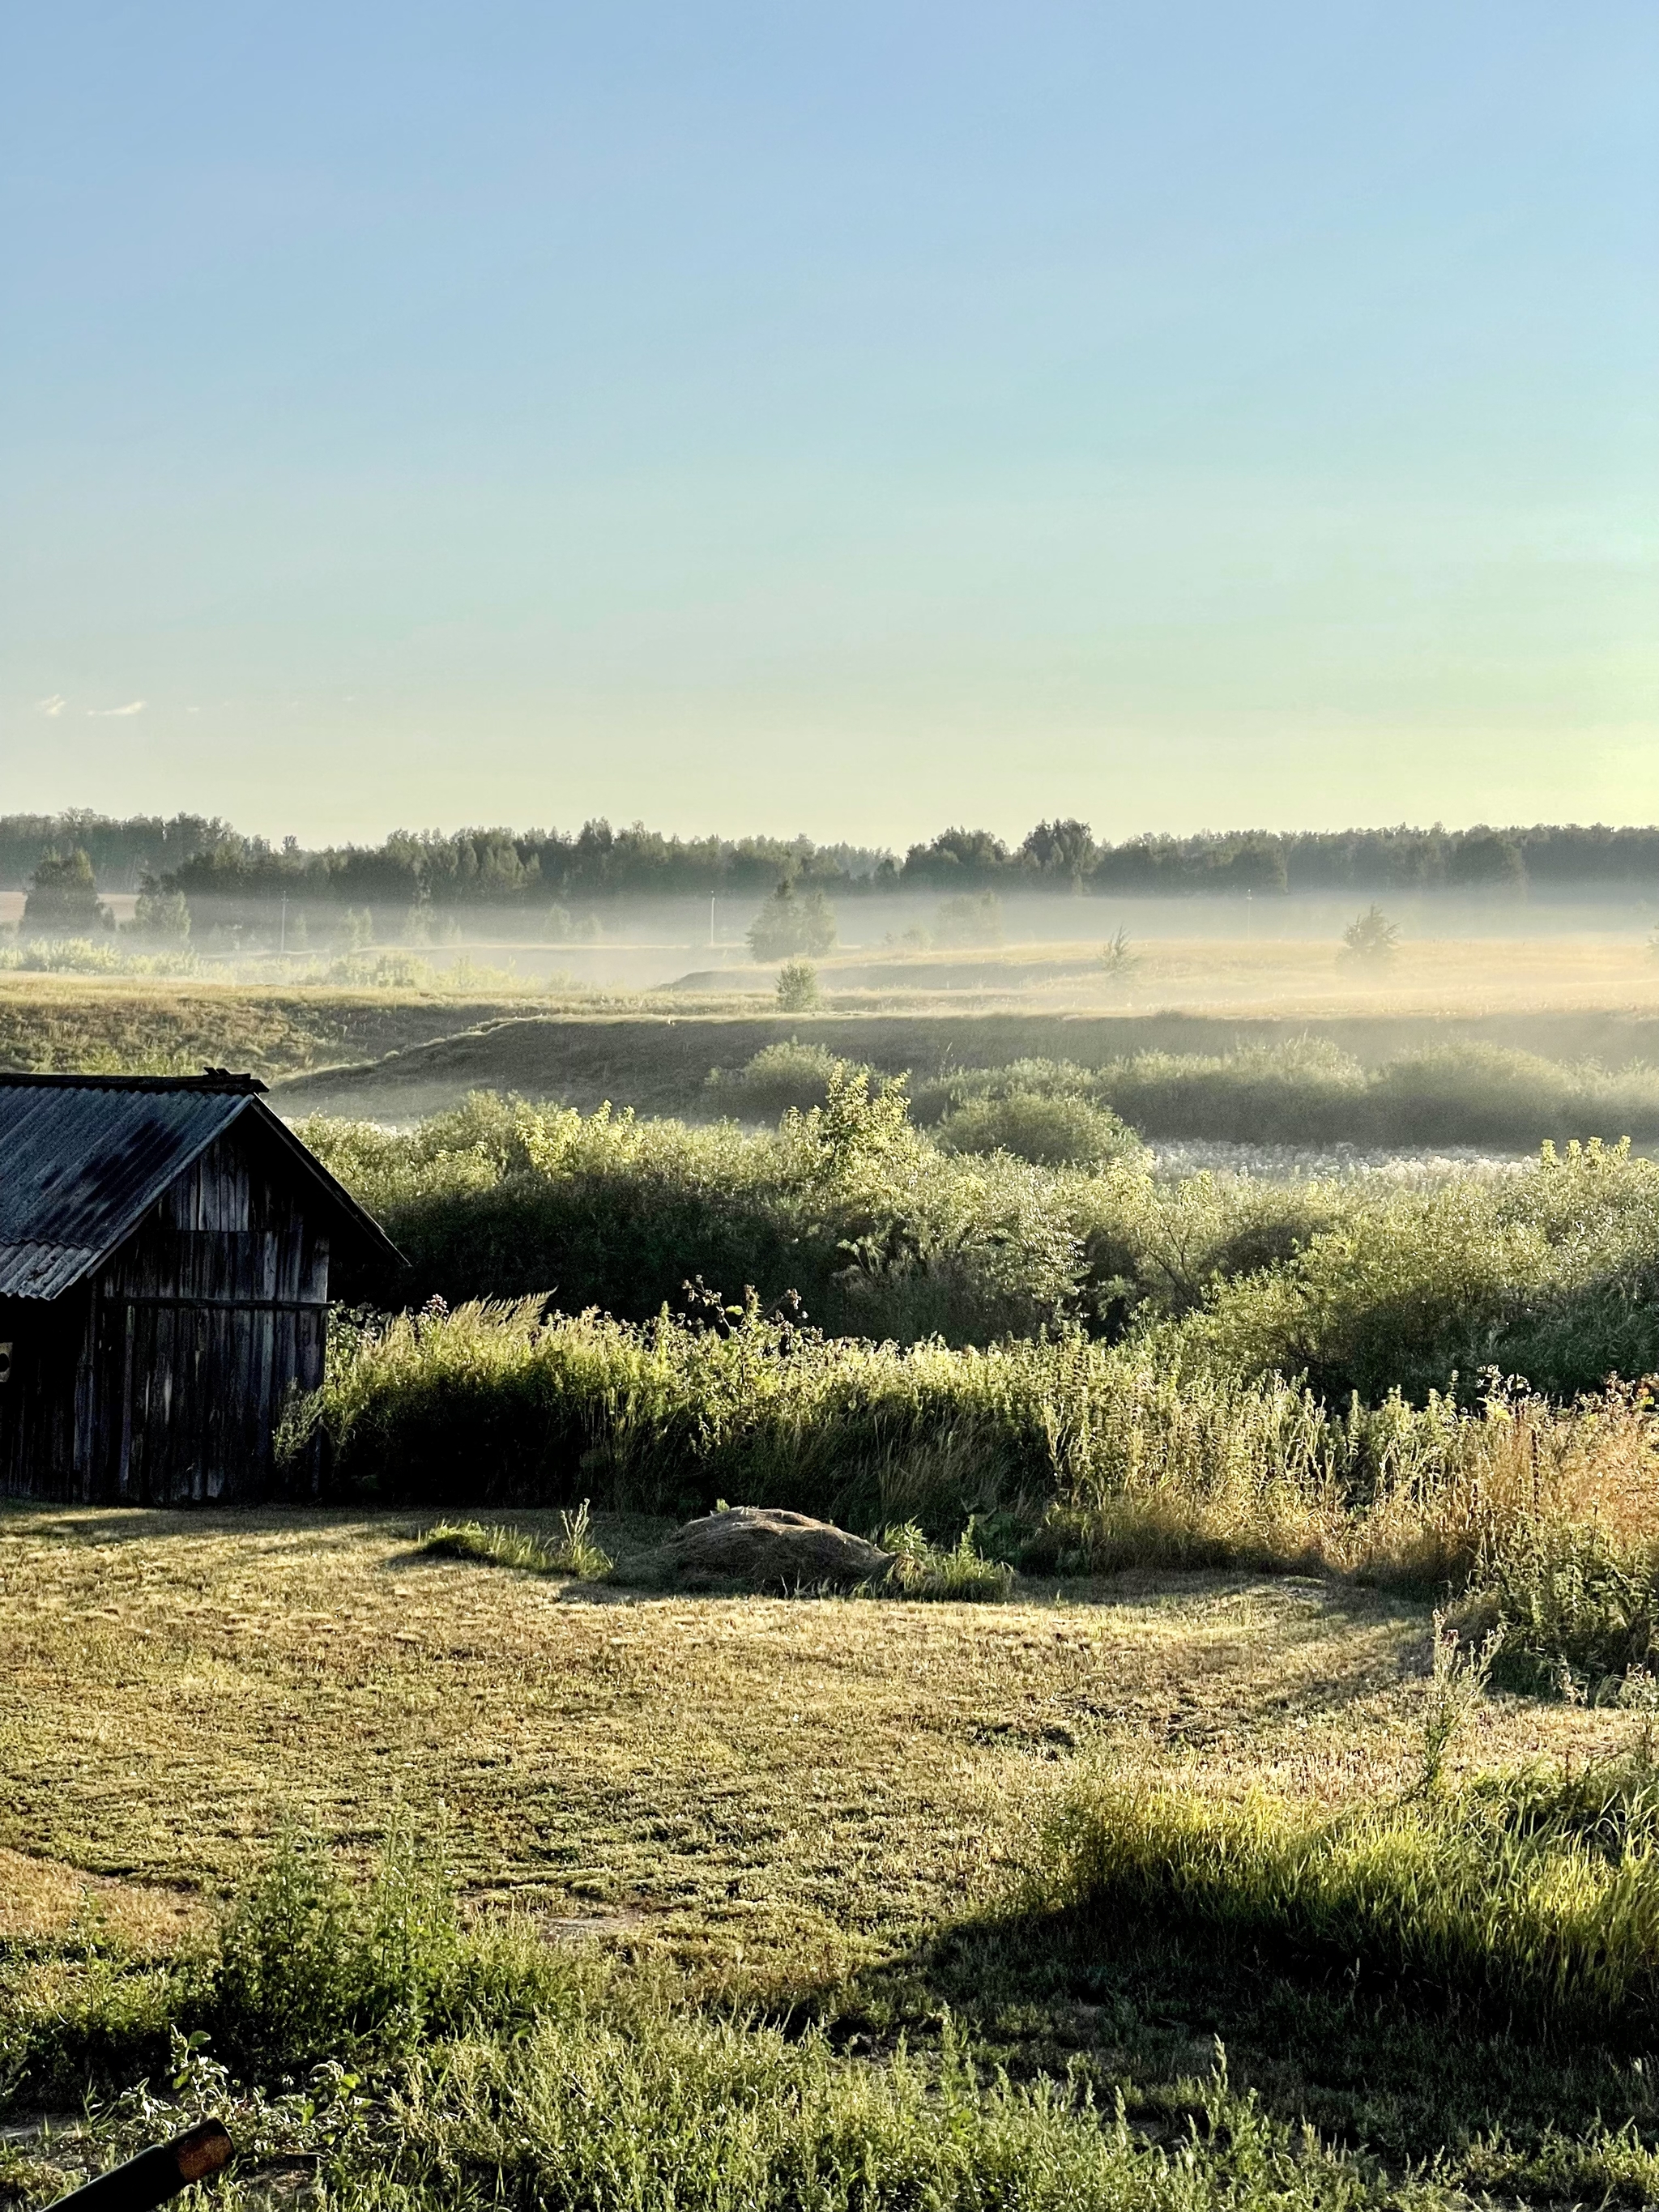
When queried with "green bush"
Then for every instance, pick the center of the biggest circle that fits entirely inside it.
(925, 1569)
(1553, 1274)
(780, 1077)
(798, 987)
(1052, 1131)
(305, 1967)
(846, 1204)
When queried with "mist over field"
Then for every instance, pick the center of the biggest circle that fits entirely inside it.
(799, 1411)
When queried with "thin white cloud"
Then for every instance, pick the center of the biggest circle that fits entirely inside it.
(54, 705)
(132, 707)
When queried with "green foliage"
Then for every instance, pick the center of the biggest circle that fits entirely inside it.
(575, 1553)
(778, 1078)
(925, 1569)
(86, 956)
(792, 922)
(533, 2078)
(1552, 1273)
(798, 987)
(848, 1205)
(1578, 1608)
(309, 1967)
(973, 919)
(1370, 939)
(1458, 1677)
(163, 915)
(1117, 956)
(1308, 1092)
(1535, 1896)
(491, 1405)
(63, 896)
(1054, 1131)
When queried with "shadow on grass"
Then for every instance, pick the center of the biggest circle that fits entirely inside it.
(1142, 2005)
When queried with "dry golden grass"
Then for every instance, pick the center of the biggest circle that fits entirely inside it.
(1566, 974)
(788, 1787)
(67, 1022)
(49, 1022)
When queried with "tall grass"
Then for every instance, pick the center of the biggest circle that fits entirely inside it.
(1534, 1896)
(1072, 1454)
(416, 2061)
(575, 1553)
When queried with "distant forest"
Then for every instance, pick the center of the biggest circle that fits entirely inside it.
(217, 868)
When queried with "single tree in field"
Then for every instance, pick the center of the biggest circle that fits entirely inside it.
(1370, 939)
(792, 922)
(161, 914)
(62, 900)
(1117, 955)
(798, 987)
(970, 919)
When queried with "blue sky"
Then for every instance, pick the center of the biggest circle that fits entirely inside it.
(846, 419)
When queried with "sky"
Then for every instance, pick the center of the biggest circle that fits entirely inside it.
(846, 419)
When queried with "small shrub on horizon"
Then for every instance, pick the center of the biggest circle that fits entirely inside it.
(1117, 957)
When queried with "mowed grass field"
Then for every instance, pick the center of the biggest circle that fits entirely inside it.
(739, 1822)
(787, 1790)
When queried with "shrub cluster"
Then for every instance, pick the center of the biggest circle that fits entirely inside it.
(1306, 1091)
(1551, 1272)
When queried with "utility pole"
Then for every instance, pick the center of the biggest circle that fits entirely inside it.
(282, 940)
(712, 896)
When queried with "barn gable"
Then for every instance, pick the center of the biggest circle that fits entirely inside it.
(164, 1258)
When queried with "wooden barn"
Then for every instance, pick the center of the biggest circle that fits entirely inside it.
(164, 1255)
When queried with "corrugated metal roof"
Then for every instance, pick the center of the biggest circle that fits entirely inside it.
(82, 1161)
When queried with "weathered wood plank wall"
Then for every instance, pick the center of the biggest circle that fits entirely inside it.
(163, 1382)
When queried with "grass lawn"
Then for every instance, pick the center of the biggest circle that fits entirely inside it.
(740, 1780)
(815, 1806)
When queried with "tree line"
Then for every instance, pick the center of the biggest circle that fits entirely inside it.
(207, 862)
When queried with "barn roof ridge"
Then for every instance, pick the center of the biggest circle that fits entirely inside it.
(222, 1080)
(78, 1172)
